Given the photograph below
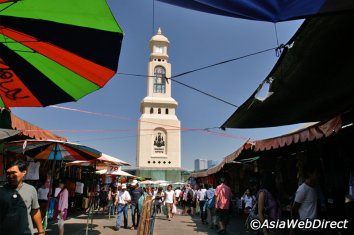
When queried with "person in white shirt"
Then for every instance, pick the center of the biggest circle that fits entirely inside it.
(122, 200)
(170, 200)
(43, 192)
(248, 200)
(178, 193)
(305, 203)
(201, 200)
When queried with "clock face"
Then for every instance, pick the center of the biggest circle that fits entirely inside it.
(159, 70)
(159, 49)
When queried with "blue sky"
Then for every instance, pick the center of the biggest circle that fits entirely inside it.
(197, 39)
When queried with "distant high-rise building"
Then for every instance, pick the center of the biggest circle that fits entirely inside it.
(212, 163)
(200, 164)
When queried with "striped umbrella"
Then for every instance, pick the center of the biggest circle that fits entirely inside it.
(55, 51)
(52, 150)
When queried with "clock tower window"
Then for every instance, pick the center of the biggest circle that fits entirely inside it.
(159, 79)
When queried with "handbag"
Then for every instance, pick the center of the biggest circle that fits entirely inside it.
(174, 209)
(164, 209)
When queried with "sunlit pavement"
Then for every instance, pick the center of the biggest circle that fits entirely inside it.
(180, 224)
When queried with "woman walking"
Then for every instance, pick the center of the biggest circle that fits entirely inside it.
(62, 208)
(248, 200)
(159, 198)
(268, 203)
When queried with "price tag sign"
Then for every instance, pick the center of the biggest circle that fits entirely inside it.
(112, 169)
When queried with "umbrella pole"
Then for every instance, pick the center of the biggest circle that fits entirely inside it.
(52, 193)
(94, 189)
(90, 212)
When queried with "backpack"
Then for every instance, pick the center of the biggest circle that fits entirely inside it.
(211, 202)
(190, 195)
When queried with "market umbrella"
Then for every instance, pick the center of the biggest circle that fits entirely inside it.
(118, 172)
(55, 51)
(179, 183)
(147, 182)
(266, 10)
(52, 150)
(160, 181)
(103, 161)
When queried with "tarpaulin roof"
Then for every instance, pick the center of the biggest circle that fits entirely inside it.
(7, 133)
(8, 120)
(310, 133)
(250, 151)
(312, 81)
(226, 160)
(266, 10)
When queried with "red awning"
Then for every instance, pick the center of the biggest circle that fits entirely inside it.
(32, 131)
(8, 120)
(311, 133)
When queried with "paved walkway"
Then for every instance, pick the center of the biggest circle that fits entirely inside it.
(180, 225)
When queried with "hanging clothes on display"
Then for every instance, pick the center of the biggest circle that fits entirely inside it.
(79, 187)
(32, 171)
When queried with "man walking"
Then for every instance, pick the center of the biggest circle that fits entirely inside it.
(201, 196)
(135, 193)
(305, 203)
(19, 203)
(223, 200)
(122, 200)
(210, 197)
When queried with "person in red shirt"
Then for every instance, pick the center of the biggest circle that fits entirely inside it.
(223, 200)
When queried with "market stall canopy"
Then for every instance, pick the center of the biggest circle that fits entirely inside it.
(265, 10)
(118, 172)
(310, 133)
(7, 133)
(252, 150)
(106, 158)
(103, 161)
(180, 183)
(52, 150)
(312, 80)
(161, 182)
(147, 182)
(8, 120)
(227, 160)
(55, 51)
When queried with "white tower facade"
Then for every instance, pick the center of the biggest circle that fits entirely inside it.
(159, 130)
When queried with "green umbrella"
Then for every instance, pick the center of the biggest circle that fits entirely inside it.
(55, 51)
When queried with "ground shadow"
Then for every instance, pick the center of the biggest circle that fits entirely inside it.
(72, 229)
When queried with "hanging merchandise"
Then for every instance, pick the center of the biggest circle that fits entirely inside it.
(107, 179)
(351, 183)
(51, 208)
(79, 187)
(32, 171)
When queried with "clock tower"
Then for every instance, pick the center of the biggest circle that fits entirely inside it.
(159, 130)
